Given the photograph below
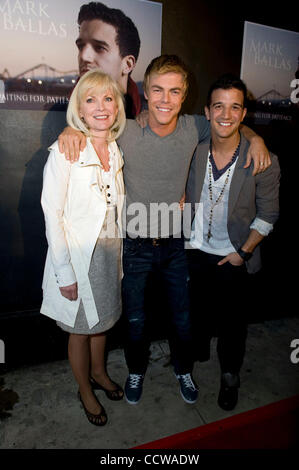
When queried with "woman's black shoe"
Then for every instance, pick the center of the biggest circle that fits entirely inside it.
(99, 419)
(114, 395)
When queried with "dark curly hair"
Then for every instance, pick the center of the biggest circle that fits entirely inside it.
(226, 82)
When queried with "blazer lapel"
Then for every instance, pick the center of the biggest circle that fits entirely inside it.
(238, 176)
(199, 173)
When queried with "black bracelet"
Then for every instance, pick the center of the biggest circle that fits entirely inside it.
(245, 255)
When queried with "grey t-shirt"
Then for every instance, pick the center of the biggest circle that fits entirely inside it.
(155, 172)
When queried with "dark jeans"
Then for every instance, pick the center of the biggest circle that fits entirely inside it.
(141, 257)
(218, 308)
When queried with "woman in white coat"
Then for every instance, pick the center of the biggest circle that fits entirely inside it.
(82, 203)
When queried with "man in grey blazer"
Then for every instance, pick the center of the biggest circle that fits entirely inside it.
(232, 210)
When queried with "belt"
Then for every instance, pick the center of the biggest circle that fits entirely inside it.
(153, 241)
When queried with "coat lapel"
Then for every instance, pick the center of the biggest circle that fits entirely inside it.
(238, 176)
(89, 155)
(89, 158)
(202, 165)
(118, 159)
(199, 173)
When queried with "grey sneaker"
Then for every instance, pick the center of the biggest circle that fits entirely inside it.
(133, 388)
(189, 390)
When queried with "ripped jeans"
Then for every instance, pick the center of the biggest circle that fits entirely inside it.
(142, 256)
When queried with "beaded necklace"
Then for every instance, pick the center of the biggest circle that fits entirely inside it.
(220, 195)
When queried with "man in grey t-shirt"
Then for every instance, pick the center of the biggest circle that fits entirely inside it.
(157, 160)
(155, 173)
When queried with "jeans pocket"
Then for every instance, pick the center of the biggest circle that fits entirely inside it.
(131, 247)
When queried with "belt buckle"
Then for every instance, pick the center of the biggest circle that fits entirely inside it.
(156, 241)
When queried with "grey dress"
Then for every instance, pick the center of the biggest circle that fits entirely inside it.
(105, 274)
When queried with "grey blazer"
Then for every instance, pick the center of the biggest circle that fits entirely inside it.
(249, 196)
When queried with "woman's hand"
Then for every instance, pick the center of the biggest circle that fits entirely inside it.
(70, 292)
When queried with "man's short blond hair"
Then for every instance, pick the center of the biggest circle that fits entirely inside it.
(165, 64)
(100, 82)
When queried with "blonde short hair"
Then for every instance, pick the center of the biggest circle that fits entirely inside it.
(164, 64)
(101, 82)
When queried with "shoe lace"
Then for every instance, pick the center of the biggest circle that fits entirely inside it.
(135, 380)
(188, 382)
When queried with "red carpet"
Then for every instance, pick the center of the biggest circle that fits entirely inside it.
(275, 426)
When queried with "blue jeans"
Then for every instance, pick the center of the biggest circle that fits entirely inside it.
(141, 257)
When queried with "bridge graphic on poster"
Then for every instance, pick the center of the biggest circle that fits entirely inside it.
(273, 97)
(36, 86)
(41, 72)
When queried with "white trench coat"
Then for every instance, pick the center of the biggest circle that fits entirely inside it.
(75, 206)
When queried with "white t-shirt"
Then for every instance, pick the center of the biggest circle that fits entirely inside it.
(219, 243)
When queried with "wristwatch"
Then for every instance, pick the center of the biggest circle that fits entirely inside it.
(245, 255)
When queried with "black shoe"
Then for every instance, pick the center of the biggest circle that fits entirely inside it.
(228, 394)
(114, 395)
(99, 419)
